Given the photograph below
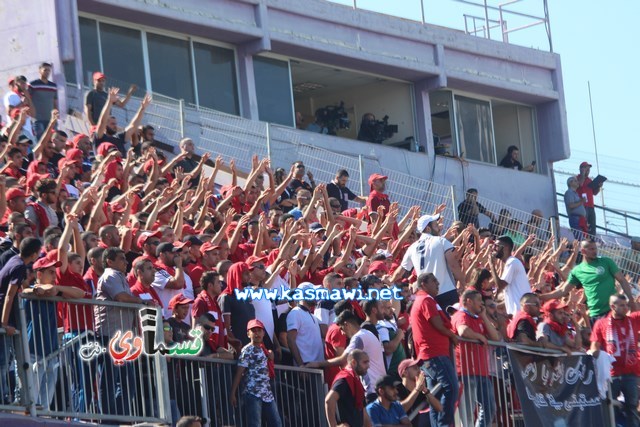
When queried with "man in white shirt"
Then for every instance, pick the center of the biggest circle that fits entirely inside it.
(324, 310)
(303, 331)
(170, 278)
(433, 254)
(514, 280)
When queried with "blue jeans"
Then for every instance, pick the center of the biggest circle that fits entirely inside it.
(6, 374)
(478, 391)
(39, 126)
(81, 375)
(628, 385)
(255, 408)
(440, 370)
(574, 223)
(117, 385)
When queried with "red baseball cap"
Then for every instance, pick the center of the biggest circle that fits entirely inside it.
(375, 177)
(255, 323)
(255, 260)
(46, 262)
(105, 148)
(98, 75)
(142, 239)
(378, 266)
(75, 153)
(207, 246)
(33, 179)
(14, 193)
(585, 164)
(76, 139)
(552, 305)
(407, 363)
(181, 245)
(117, 207)
(179, 300)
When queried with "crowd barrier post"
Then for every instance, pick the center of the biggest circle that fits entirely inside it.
(362, 178)
(454, 202)
(181, 107)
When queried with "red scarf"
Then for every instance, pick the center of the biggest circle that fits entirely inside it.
(559, 328)
(355, 385)
(623, 348)
(520, 315)
(271, 366)
(41, 214)
(161, 266)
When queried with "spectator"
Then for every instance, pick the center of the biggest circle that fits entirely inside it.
(190, 421)
(386, 409)
(576, 211)
(319, 125)
(373, 314)
(303, 198)
(298, 179)
(616, 334)
(236, 312)
(144, 273)
(415, 394)
(432, 337)
(20, 98)
(513, 280)
(41, 212)
(391, 337)
(597, 275)
(367, 130)
(522, 328)
(44, 96)
(347, 393)
(19, 232)
(338, 190)
(469, 210)
(303, 331)
(433, 253)
(472, 360)
(587, 192)
(377, 196)
(258, 395)
(170, 278)
(335, 341)
(325, 309)
(554, 328)
(180, 306)
(97, 98)
(512, 160)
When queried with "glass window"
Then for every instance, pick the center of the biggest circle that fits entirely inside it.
(89, 49)
(514, 125)
(121, 56)
(170, 65)
(442, 125)
(273, 89)
(216, 76)
(475, 130)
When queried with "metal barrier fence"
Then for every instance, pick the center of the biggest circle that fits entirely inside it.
(105, 376)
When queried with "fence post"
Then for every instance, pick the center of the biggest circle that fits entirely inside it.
(162, 380)
(361, 170)
(268, 135)
(181, 112)
(453, 203)
(27, 395)
(554, 231)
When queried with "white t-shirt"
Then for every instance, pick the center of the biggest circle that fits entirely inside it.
(309, 339)
(517, 284)
(264, 313)
(280, 284)
(165, 295)
(427, 256)
(364, 340)
(383, 327)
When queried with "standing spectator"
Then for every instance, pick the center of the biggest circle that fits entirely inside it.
(170, 279)
(188, 163)
(386, 409)
(96, 98)
(236, 313)
(597, 275)
(298, 179)
(303, 331)
(617, 335)
(377, 196)
(116, 386)
(472, 360)
(391, 337)
(19, 97)
(303, 199)
(258, 394)
(469, 210)
(348, 395)
(433, 254)
(512, 160)
(335, 341)
(44, 96)
(587, 192)
(338, 190)
(325, 311)
(576, 211)
(432, 337)
(145, 274)
(41, 213)
(373, 314)
(513, 281)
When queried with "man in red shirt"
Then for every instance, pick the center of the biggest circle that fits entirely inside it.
(148, 241)
(207, 262)
(587, 193)
(432, 338)
(377, 196)
(472, 360)
(145, 274)
(617, 334)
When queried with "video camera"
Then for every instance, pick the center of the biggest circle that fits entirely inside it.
(381, 130)
(334, 117)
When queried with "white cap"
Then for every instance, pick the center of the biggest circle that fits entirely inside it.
(424, 220)
(307, 285)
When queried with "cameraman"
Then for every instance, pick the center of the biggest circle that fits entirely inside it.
(368, 129)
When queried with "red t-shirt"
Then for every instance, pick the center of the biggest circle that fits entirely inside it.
(471, 359)
(138, 290)
(334, 338)
(75, 317)
(195, 272)
(428, 341)
(623, 365)
(205, 304)
(585, 189)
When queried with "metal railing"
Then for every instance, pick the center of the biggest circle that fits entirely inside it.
(76, 374)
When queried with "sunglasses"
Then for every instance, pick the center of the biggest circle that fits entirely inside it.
(258, 266)
(167, 329)
(208, 328)
(154, 243)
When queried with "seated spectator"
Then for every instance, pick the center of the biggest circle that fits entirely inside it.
(554, 328)
(415, 395)
(522, 329)
(386, 409)
(512, 160)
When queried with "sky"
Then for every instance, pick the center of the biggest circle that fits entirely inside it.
(594, 41)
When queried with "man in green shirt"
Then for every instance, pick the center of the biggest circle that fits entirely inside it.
(597, 276)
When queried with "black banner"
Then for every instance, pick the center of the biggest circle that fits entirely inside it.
(557, 391)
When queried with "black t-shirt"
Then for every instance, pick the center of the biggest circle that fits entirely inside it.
(524, 327)
(343, 194)
(13, 273)
(420, 402)
(117, 140)
(180, 330)
(297, 183)
(96, 99)
(241, 313)
(508, 162)
(7, 255)
(346, 403)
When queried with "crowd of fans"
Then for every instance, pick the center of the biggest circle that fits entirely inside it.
(106, 217)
